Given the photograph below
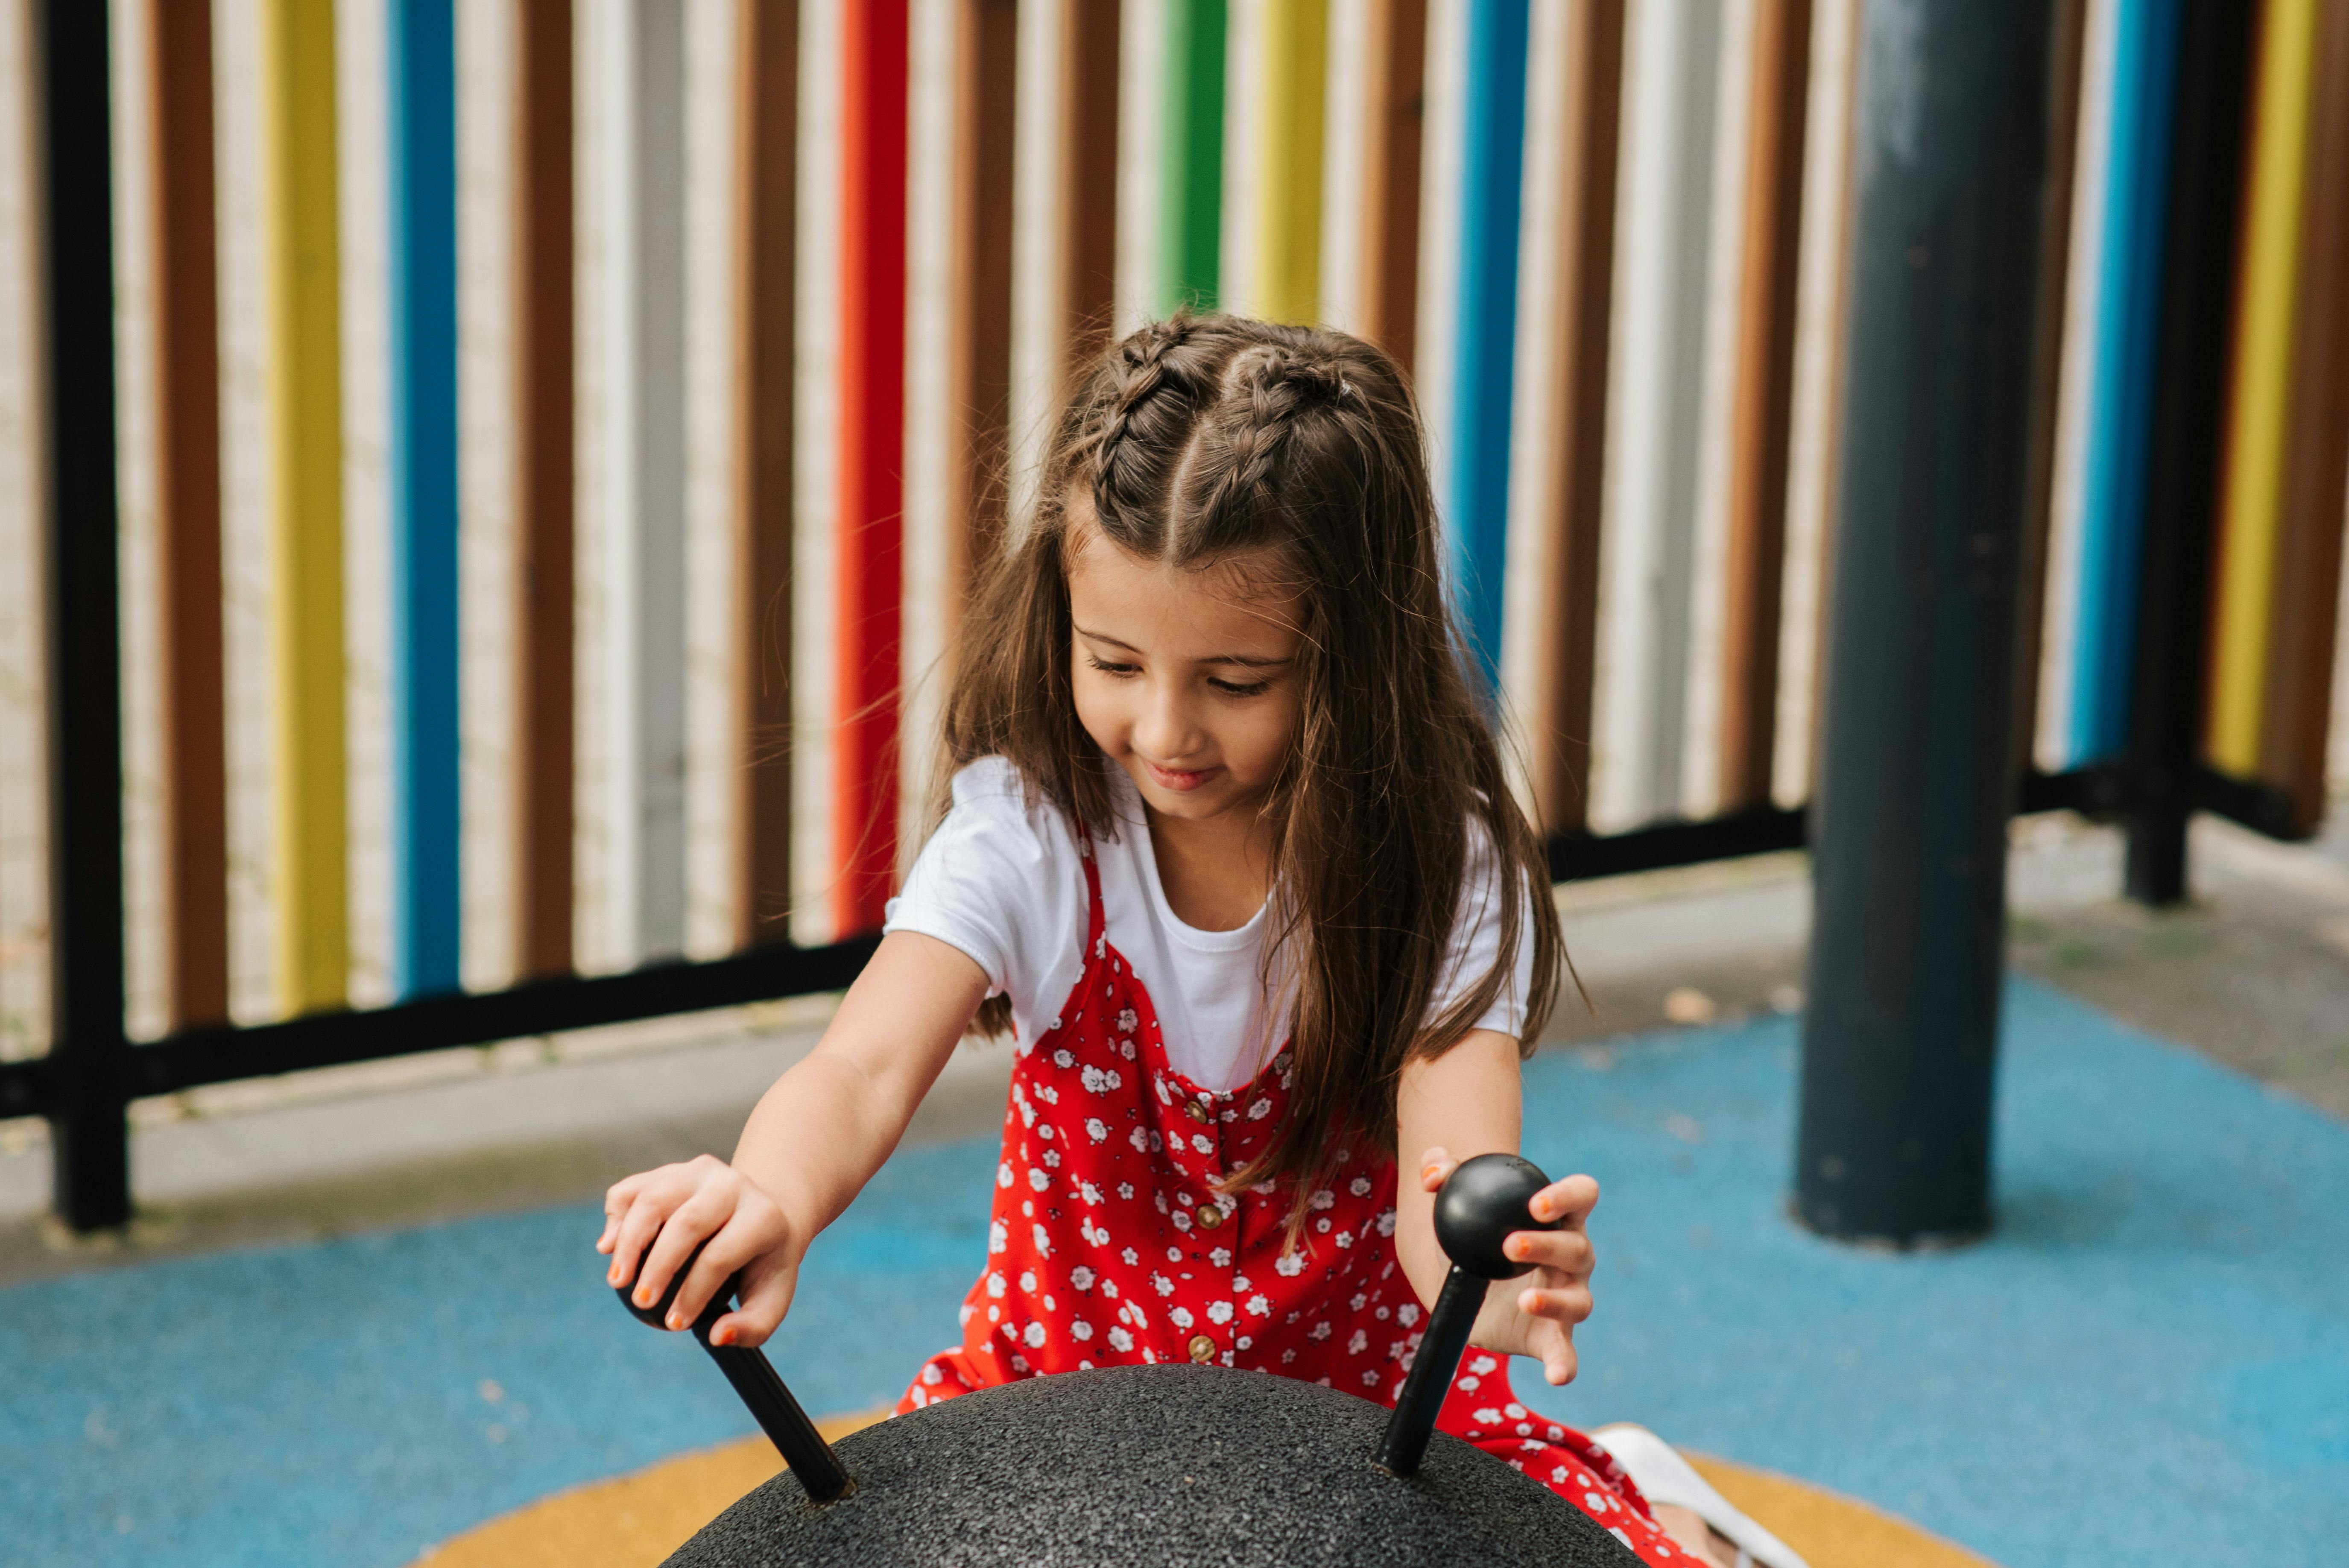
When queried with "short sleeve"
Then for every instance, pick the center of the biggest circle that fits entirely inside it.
(1474, 949)
(1001, 879)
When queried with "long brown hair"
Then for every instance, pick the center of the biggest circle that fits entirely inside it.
(1202, 439)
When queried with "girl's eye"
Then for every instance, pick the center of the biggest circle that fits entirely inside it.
(1240, 689)
(1120, 671)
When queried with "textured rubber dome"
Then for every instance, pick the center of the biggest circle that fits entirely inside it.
(1168, 1465)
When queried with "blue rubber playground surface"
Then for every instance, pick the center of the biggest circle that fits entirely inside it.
(2147, 1364)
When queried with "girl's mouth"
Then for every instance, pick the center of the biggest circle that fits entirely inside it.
(1181, 781)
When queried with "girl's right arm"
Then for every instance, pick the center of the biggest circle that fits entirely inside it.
(813, 1142)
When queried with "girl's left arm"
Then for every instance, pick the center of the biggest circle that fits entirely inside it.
(1470, 1101)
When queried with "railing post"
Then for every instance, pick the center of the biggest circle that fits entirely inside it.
(88, 1065)
(2190, 392)
(1949, 144)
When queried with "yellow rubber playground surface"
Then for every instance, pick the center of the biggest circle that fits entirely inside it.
(635, 1520)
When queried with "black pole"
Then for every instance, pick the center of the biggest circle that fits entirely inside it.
(1918, 776)
(1403, 1443)
(756, 1383)
(2198, 293)
(1487, 1199)
(87, 1052)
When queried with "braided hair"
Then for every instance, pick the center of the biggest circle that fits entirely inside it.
(1202, 440)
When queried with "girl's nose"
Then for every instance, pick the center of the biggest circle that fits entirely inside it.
(1166, 731)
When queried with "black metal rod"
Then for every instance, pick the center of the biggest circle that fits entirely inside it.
(1918, 776)
(88, 1054)
(2197, 292)
(1573, 856)
(778, 1414)
(533, 1007)
(755, 1381)
(1430, 1378)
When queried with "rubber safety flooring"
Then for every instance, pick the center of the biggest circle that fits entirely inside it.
(2147, 1362)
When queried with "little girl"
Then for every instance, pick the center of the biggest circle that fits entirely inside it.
(1232, 858)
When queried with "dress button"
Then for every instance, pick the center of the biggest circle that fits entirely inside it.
(1203, 1349)
(1210, 1216)
(1195, 1111)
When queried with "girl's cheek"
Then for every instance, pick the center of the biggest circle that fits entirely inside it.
(1098, 712)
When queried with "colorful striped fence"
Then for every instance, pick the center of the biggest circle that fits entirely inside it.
(1601, 289)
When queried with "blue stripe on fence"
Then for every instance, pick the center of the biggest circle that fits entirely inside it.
(1486, 362)
(2129, 325)
(422, 107)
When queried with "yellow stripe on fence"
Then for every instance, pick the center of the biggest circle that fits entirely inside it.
(1288, 181)
(306, 515)
(2259, 421)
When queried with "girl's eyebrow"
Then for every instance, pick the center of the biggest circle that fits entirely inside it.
(1247, 661)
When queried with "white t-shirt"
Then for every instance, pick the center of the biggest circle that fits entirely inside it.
(1001, 879)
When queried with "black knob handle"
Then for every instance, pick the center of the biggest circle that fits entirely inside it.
(1482, 1201)
(754, 1378)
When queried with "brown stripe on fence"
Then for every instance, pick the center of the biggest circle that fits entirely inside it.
(1579, 370)
(1086, 250)
(766, 238)
(1761, 409)
(978, 376)
(2293, 743)
(543, 486)
(1396, 77)
(187, 514)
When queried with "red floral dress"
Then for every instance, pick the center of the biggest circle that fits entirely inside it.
(1110, 1246)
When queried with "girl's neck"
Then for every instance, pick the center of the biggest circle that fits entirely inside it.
(1217, 871)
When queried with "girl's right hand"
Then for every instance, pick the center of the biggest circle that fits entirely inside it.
(654, 1220)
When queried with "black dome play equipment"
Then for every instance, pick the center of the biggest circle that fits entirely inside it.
(1169, 1464)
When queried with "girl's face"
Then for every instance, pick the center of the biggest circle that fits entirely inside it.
(1187, 679)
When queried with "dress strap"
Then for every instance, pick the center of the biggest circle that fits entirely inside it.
(1096, 917)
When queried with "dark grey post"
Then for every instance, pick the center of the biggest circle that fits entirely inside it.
(2198, 294)
(89, 1059)
(1918, 774)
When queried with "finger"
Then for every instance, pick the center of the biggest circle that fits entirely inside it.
(616, 1200)
(1569, 1201)
(1559, 1363)
(728, 1248)
(694, 1222)
(1570, 1251)
(1566, 1304)
(768, 1287)
(1436, 1167)
(654, 1204)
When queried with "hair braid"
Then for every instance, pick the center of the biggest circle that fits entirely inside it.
(1267, 390)
(1142, 366)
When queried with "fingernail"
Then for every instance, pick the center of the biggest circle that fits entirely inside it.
(676, 1320)
(644, 1296)
(1430, 1173)
(721, 1336)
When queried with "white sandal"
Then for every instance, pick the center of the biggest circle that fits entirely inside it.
(1659, 1471)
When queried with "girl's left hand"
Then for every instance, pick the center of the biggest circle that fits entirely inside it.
(1535, 1314)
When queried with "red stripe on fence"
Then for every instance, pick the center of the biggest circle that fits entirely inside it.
(871, 447)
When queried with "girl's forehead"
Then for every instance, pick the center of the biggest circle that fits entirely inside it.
(1237, 605)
